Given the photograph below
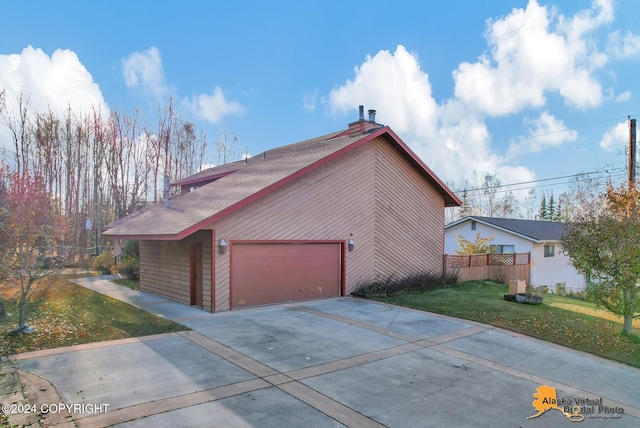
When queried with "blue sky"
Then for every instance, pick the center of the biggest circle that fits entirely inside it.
(527, 90)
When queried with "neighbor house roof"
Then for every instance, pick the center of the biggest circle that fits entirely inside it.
(238, 183)
(535, 230)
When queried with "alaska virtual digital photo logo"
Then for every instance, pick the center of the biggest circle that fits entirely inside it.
(574, 408)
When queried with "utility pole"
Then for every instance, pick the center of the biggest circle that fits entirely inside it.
(632, 152)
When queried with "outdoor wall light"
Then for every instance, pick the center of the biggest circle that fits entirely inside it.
(222, 246)
(350, 244)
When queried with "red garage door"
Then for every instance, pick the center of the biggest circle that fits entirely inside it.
(275, 272)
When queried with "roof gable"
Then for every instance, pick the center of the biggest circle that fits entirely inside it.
(534, 230)
(240, 183)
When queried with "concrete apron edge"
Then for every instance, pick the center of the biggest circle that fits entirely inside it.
(86, 346)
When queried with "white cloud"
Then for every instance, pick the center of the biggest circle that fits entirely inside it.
(309, 100)
(395, 85)
(532, 53)
(56, 83)
(451, 138)
(544, 132)
(586, 20)
(144, 70)
(615, 137)
(624, 46)
(625, 96)
(212, 108)
(528, 58)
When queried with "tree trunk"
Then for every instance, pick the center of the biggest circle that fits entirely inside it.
(627, 327)
(23, 313)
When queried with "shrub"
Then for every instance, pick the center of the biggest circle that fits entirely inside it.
(411, 283)
(126, 267)
(130, 250)
(102, 262)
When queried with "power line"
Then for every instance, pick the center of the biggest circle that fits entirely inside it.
(546, 185)
(578, 127)
(526, 182)
(580, 174)
(613, 119)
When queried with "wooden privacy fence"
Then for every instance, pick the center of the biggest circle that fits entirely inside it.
(496, 267)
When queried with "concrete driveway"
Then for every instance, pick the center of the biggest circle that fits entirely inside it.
(329, 363)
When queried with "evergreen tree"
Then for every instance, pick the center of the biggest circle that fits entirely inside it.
(558, 214)
(551, 209)
(542, 212)
(465, 208)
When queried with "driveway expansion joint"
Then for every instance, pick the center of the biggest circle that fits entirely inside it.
(288, 381)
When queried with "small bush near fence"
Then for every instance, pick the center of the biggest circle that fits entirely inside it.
(412, 283)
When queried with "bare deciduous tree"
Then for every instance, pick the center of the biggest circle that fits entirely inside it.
(99, 166)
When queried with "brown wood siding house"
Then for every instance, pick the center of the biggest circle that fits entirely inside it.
(287, 217)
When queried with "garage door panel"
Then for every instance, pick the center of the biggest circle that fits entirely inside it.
(276, 273)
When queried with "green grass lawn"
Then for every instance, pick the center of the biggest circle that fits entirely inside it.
(63, 314)
(570, 322)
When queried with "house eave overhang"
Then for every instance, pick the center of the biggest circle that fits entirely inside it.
(144, 237)
(450, 199)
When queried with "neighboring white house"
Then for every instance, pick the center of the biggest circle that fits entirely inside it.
(549, 264)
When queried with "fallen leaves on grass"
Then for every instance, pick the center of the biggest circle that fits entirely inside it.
(575, 324)
(64, 314)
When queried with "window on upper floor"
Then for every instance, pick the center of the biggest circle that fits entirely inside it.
(549, 250)
(473, 225)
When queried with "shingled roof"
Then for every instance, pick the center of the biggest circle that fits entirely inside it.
(244, 181)
(534, 230)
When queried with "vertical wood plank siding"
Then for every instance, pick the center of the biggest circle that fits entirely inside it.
(164, 268)
(330, 203)
(396, 218)
(409, 218)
